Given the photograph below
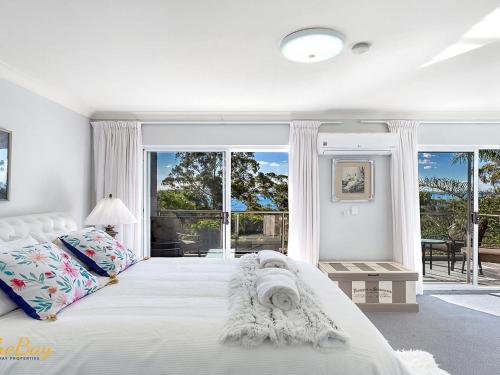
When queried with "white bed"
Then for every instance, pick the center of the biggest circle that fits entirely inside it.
(165, 316)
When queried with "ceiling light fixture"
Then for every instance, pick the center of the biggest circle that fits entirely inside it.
(312, 45)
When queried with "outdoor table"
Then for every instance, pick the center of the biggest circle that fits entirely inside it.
(427, 243)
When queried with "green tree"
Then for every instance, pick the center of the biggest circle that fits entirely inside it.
(244, 186)
(198, 178)
(274, 187)
(248, 184)
(489, 198)
(174, 199)
(489, 171)
(455, 188)
(447, 216)
(443, 218)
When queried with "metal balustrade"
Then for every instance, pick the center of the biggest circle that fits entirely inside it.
(196, 232)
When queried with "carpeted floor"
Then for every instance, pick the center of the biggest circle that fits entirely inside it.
(487, 303)
(463, 341)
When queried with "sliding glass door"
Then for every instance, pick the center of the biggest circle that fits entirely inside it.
(259, 201)
(217, 203)
(187, 210)
(488, 218)
(446, 194)
(460, 216)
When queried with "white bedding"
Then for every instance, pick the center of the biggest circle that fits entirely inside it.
(165, 316)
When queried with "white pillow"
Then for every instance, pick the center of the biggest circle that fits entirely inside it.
(6, 304)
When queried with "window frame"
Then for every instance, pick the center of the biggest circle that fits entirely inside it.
(475, 187)
(227, 150)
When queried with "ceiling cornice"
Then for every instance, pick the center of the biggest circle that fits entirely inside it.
(158, 116)
(43, 89)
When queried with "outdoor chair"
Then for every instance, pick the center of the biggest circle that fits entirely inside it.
(164, 240)
(190, 243)
(486, 254)
(464, 253)
(455, 248)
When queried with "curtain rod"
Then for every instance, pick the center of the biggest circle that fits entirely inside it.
(437, 121)
(221, 122)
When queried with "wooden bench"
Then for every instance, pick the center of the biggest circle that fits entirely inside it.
(375, 286)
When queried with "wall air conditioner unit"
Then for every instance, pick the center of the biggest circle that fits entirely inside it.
(357, 143)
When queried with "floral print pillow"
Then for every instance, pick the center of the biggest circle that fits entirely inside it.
(101, 252)
(42, 279)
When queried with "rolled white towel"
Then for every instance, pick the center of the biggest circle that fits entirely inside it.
(272, 259)
(276, 287)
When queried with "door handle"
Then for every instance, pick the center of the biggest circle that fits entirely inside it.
(226, 218)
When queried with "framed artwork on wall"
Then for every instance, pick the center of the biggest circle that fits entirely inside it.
(353, 180)
(5, 152)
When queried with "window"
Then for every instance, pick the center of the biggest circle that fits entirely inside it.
(198, 208)
(489, 217)
(187, 213)
(448, 199)
(259, 201)
(445, 180)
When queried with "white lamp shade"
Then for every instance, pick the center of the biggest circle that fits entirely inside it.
(110, 211)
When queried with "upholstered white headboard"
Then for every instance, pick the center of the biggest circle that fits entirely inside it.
(16, 227)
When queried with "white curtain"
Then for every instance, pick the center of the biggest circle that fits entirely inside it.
(118, 171)
(405, 197)
(303, 188)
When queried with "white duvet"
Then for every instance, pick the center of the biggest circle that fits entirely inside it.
(165, 316)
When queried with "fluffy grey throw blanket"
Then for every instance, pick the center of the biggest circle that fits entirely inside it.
(250, 323)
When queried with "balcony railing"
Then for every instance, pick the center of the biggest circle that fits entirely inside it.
(258, 230)
(453, 226)
(200, 232)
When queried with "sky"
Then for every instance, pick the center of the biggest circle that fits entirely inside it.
(276, 162)
(165, 162)
(439, 164)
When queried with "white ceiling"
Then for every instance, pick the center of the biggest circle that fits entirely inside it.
(223, 55)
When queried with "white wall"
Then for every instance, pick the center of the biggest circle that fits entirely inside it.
(220, 135)
(367, 236)
(459, 134)
(51, 155)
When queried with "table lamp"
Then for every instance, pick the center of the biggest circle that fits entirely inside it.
(109, 212)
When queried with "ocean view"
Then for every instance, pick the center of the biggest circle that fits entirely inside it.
(238, 206)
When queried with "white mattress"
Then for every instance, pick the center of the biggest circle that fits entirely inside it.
(165, 317)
